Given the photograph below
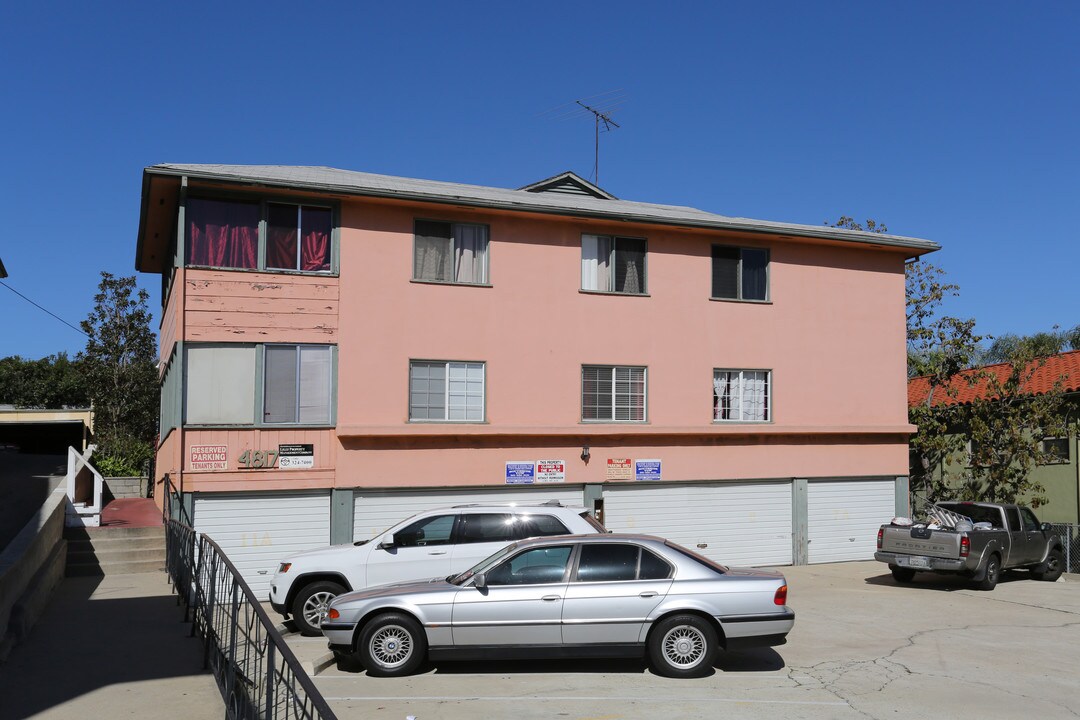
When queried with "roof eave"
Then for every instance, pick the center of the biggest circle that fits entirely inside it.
(915, 246)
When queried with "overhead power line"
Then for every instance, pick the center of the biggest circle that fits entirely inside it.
(78, 330)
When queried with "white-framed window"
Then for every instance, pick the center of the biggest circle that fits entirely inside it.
(249, 234)
(278, 384)
(613, 264)
(447, 391)
(742, 395)
(450, 252)
(1057, 448)
(740, 273)
(613, 393)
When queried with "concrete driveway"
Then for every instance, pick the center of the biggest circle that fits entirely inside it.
(862, 647)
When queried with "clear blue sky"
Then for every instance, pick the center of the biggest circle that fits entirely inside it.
(955, 122)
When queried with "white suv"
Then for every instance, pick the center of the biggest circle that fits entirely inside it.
(430, 544)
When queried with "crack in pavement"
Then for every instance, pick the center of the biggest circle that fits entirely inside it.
(852, 680)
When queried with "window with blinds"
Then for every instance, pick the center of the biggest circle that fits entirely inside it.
(613, 393)
(740, 273)
(220, 384)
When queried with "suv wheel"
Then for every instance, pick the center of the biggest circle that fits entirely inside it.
(310, 605)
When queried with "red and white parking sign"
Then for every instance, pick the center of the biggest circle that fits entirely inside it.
(550, 471)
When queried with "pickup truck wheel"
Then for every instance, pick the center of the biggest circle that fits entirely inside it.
(902, 574)
(990, 577)
(1051, 569)
(310, 605)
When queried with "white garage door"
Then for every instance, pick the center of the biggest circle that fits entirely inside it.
(257, 531)
(732, 523)
(377, 510)
(843, 517)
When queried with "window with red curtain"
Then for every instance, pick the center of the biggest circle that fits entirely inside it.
(298, 237)
(222, 233)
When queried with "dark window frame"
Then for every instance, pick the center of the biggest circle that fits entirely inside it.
(740, 273)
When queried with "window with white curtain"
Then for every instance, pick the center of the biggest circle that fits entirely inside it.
(613, 393)
(613, 264)
(448, 391)
(742, 395)
(450, 252)
(220, 387)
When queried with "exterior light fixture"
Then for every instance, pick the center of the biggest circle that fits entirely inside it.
(585, 454)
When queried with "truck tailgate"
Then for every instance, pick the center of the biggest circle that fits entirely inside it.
(921, 541)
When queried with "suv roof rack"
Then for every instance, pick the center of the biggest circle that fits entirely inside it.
(548, 503)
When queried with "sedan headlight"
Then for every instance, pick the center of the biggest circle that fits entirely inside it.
(284, 567)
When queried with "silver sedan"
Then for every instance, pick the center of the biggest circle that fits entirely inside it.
(570, 596)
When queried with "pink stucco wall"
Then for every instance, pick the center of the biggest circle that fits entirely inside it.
(833, 336)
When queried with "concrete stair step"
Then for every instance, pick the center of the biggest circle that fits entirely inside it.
(103, 557)
(112, 533)
(117, 568)
(116, 545)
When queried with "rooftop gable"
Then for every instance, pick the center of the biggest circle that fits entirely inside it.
(569, 183)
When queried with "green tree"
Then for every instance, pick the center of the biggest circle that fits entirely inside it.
(120, 369)
(52, 382)
(1006, 425)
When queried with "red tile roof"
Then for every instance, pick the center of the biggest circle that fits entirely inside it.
(1064, 366)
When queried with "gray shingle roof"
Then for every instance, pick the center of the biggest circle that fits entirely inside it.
(367, 184)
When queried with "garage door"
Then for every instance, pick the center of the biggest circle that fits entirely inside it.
(376, 511)
(257, 531)
(732, 523)
(843, 517)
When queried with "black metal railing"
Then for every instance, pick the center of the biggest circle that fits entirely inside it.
(257, 673)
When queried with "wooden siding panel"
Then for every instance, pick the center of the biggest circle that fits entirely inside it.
(239, 440)
(168, 333)
(260, 307)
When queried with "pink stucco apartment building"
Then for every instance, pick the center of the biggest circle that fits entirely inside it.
(341, 349)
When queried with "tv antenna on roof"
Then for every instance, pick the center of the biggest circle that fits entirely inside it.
(600, 107)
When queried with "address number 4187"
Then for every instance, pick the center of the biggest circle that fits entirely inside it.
(258, 459)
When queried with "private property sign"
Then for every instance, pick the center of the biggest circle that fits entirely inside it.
(208, 457)
(550, 471)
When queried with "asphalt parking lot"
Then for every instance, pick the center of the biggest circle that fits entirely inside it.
(862, 647)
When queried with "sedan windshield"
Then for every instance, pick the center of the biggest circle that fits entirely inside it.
(481, 566)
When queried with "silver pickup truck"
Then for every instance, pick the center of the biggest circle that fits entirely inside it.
(973, 539)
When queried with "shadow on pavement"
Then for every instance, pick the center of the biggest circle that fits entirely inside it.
(944, 582)
(756, 660)
(100, 632)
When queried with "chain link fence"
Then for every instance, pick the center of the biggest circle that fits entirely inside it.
(1070, 538)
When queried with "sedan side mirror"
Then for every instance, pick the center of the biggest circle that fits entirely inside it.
(480, 581)
(1047, 527)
